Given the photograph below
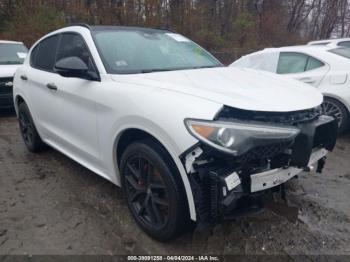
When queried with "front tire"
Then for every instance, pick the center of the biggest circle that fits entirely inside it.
(29, 133)
(333, 107)
(153, 190)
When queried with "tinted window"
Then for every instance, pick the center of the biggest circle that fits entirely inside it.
(73, 45)
(291, 63)
(345, 43)
(43, 55)
(313, 64)
(12, 54)
(344, 52)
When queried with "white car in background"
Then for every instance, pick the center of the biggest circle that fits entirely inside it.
(324, 67)
(12, 55)
(345, 42)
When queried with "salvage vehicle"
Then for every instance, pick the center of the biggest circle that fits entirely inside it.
(12, 55)
(153, 112)
(325, 67)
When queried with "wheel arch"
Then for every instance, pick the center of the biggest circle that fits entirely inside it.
(18, 100)
(133, 134)
(339, 99)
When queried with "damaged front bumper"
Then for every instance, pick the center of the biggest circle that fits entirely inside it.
(225, 186)
(268, 179)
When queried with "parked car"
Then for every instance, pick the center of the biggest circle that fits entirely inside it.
(324, 67)
(12, 55)
(151, 111)
(344, 42)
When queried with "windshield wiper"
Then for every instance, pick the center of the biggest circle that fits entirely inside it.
(200, 67)
(155, 70)
(176, 69)
(10, 63)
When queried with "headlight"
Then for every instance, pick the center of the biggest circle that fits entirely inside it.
(237, 138)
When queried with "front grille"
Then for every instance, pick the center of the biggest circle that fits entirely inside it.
(264, 152)
(288, 118)
(6, 85)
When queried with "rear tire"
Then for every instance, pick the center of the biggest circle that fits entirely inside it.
(154, 190)
(333, 107)
(28, 130)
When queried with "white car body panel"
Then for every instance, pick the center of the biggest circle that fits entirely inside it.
(8, 70)
(157, 103)
(333, 79)
(236, 88)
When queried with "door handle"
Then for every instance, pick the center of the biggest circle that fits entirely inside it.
(307, 80)
(52, 87)
(23, 77)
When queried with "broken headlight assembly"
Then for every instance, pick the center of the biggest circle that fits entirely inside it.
(237, 138)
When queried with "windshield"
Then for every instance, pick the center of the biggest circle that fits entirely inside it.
(12, 54)
(145, 51)
(342, 51)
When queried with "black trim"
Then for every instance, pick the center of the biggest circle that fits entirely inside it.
(38, 45)
(112, 27)
(87, 47)
(56, 52)
(80, 24)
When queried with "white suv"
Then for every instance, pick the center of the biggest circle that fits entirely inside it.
(151, 111)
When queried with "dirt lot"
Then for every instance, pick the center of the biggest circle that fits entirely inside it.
(51, 205)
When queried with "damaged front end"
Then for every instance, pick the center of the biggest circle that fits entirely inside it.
(244, 155)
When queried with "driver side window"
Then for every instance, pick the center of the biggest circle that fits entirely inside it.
(73, 45)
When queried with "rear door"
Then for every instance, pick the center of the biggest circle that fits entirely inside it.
(302, 67)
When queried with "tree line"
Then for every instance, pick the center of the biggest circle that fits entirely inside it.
(219, 25)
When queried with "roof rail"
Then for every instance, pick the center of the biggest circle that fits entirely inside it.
(81, 24)
(163, 28)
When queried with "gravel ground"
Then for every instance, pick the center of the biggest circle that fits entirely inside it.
(52, 205)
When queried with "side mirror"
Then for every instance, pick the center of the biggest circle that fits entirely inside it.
(74, 67)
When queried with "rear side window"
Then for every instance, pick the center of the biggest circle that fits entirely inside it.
(345, 44)
(292, 63)
(44, 54)
(313, 64)
(342, 51)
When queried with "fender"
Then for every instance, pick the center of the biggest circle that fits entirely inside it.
(169, 144)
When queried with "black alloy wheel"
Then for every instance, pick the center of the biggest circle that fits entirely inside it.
(28, 131)
(154, 191)
(146, 192)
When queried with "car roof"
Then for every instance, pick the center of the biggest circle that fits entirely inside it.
(328, 41)
(119, 28)
(10, 42)
(299, 48)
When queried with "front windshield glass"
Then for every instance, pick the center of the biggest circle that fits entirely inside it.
(12, 54)
(145, 51)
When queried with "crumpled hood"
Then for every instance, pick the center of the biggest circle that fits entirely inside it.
(8, 70)
(240, 88)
